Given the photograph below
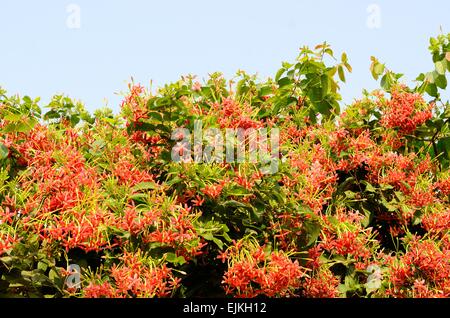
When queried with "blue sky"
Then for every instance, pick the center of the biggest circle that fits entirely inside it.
(162, 40)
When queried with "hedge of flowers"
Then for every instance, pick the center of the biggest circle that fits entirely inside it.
(359, 205)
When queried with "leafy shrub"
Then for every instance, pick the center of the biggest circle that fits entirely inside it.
(363, 188)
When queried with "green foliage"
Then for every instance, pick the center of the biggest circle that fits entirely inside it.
(365, 186)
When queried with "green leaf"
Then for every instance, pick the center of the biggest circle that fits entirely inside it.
(431, 89)
(388, 205)
(210, 237)
(376, 68)
(388, 80)
(75, 119)
(443, 146)
(341, 73)
(218, 242)
(441, 67)
(14, 118)
(367, 218)
(313, 230)
(348, 67)
(342, 289)
(8, 260)
(141, 126)
(324, 107)
(325, 81)
(4, 152)
(421, 77)
(234, 203)
(349, 282)
(350, 194)
(144, 186)
(379, 69)
(42, 266)
(174, 181)
(279, 73)
(315, 94)
(369, 187)
(156, 116)
(265, 90)
(22, 126)
(53, 275)
(284, 81)
(172, 258)
(441, 81)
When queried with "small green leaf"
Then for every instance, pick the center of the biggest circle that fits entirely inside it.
(284, 81)
(441, 81)
(350, 194)
(279, 73)
(234, 203)
(441, 67)
(265, 90)
(313, 230)
(4, 152)
(369, 187)
(324, 107)
(42, 266)
(431, 89)
(156, 116)
(376, 68)
(348, 67)
(144, 186)
(379, 69)
(53, 275)
(218, 242)
(341, 73)
(172, 258)
(325, 81)
(174, 181)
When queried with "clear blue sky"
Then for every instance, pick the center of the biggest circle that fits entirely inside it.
(162, 40)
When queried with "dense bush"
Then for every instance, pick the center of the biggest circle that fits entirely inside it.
(359, 205)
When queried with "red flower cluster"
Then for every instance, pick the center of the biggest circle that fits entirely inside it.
(213, 191)
(322, 285)
(135, 103)
(425, 267)
(6, 243)
(404, 111)
(437, 222)
(133, 278)
(369, 187)
(258, 272)
(128, 174)
(231, 114)
(175, 229)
